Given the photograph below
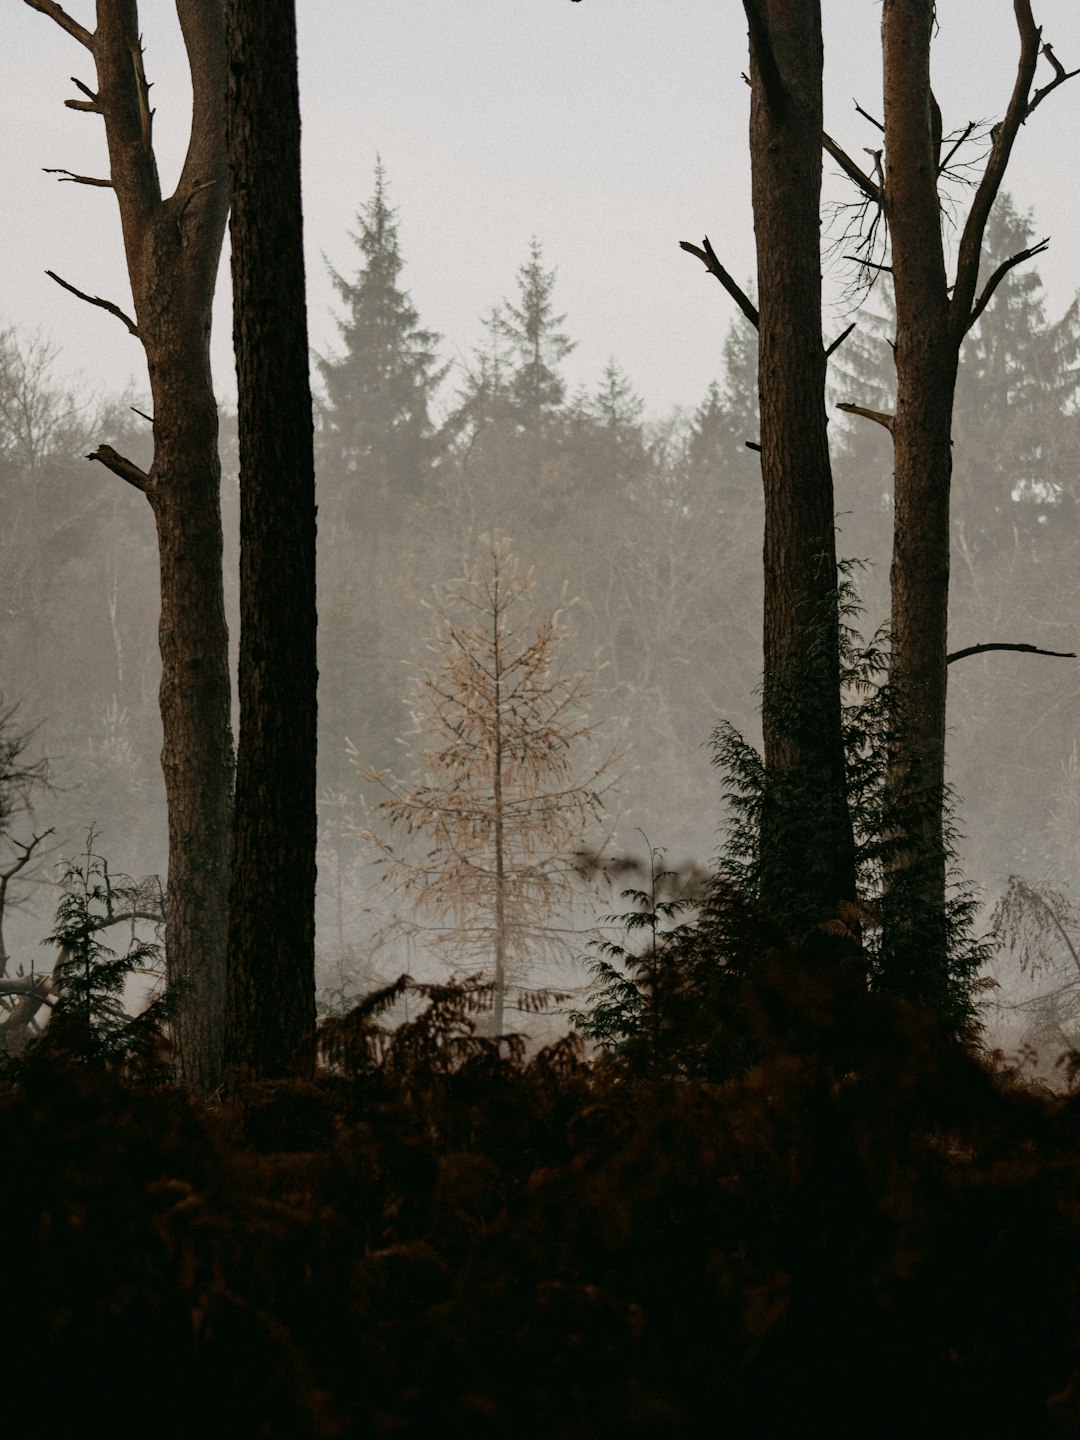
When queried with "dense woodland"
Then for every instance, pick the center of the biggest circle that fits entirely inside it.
(595, 1018)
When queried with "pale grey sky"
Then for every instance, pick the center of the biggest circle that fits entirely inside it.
(610, 129)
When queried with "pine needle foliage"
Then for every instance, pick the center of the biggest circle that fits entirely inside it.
(700, 1019)
(507, 779)
(90, 1019)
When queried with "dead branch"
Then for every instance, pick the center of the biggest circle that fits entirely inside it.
(761, 48)
(878, 416)
(97, 300)
(964, 135)
(870, 264)
(1000, 645)
(850, 169)
(708, 257)
(26, 850)
(970, 250)
(40, 985)
(122, 466)
(839, 340)
(92, 103)
(752, 445)
(69, 176)
(873, 121)
(999, 275)
(64, 20)
(1060, 76)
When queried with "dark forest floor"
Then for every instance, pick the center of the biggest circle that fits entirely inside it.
(448, 1240)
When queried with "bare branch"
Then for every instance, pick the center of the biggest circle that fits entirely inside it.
(850, 169)
(967, 265)
(69, 175)
(64, 20)
(995, 645)
(97, 300)
(999, 275)
(92, 102)
(142, 414)
(122, 466)
(964, 135)
(26, 850)
(752, 445)
(1060, 76)
(840, 339)
(707, 255)
(39, 984)
(878, 416)
(873, 121)
(870, 264)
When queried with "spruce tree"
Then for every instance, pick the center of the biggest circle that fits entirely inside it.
(377, 448)
(537, 345)
(378, 438)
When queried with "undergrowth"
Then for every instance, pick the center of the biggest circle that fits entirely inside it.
(866, 1233)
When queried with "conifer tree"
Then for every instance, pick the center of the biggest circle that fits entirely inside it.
(538, 347)
(376, 450)
(377, 427)
(481, 838)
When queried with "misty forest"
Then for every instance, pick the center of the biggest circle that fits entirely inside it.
(519, 908)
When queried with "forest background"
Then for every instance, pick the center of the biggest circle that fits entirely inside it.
(646, 507)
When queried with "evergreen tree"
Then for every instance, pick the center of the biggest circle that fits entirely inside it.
(537, 345)
(1014, 449)
(377, 426)
(377, 449)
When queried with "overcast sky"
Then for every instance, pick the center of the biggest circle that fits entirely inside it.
(610, 129)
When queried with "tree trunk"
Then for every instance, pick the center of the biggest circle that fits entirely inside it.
(172, 247)
(807, 850)
(270, 1010)
(926, 364)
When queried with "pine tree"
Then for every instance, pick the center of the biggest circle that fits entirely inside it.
(481, 839)
(538, 347)
(1014, 458)
(377, 429)
(377, 448)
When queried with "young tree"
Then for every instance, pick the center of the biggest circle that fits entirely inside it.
(270, 992)
(481, 839)
(173, 244)
(537, 345)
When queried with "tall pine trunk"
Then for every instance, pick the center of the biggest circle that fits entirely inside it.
(927, 356)
(270, 1010)
(807, 849)
(172, 246)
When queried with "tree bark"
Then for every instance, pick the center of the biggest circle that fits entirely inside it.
(172, 246)
(926, 366)
(270, 1010)
(807, 849)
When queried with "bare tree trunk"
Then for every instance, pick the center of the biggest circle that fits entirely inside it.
(926, 366)
(172, 246)
(270, 1011)
(807, 850)
(932, 319)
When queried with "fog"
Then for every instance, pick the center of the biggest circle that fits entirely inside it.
(499, 405)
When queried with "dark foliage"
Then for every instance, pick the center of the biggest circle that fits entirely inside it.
(868, 1233)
